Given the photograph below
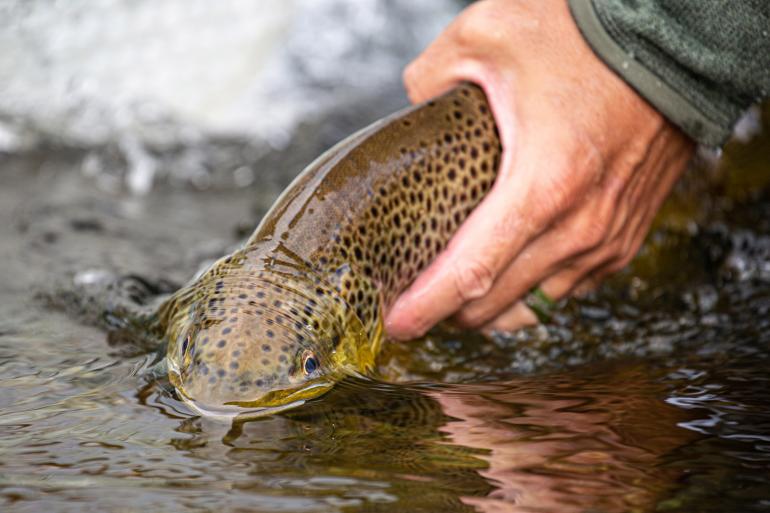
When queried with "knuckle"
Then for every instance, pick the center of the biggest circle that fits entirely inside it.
(469, 319)
(594, 234)
(411, 77)
(555, 199)
(517, 317)
(467, 27)
(621, 261)
(615, 266)
(476, 314)
(614, 249)
(589, 236)
(473, 279)
(477, 24)
(627, 257)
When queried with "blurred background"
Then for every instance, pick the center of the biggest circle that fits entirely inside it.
(198, 92)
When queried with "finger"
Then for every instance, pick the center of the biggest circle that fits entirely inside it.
(556, 288)
(444, 63)
(531, 267)
(578, 242)
(433, 72)
(492, 235)
(589, 284)
(615, 243)
(518, 316)
(629, 242)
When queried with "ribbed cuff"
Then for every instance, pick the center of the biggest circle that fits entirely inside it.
(662, 96)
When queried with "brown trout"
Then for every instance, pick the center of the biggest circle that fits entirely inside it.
(301, 304)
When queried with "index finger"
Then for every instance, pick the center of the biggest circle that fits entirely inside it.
(484, 245)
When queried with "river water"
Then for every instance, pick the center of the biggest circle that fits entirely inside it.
(653, 394)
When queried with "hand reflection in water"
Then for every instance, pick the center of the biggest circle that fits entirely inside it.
(570, 447)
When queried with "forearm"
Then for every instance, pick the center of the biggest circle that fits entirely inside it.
(700, 63)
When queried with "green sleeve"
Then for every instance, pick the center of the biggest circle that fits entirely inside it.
(701, 63)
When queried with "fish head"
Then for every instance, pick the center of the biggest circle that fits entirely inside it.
(265, 343)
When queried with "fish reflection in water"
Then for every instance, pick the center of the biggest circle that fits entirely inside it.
(552, 443)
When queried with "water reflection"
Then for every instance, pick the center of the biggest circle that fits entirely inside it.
(562, 442)
(569, 444)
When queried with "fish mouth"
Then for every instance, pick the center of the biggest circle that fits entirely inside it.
(229, 413)
(270, 403)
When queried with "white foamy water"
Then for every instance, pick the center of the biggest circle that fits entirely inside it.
(85, 73)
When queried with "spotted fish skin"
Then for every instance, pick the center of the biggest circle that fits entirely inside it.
(301, 303)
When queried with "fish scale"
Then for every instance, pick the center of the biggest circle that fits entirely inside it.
(301, 304)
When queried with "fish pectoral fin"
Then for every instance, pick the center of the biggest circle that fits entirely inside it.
(155, 369)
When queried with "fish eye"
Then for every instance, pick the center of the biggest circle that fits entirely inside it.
(309, 363)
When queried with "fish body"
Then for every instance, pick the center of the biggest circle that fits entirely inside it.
(301, 304)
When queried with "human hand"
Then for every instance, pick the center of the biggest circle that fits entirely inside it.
(586, 165)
